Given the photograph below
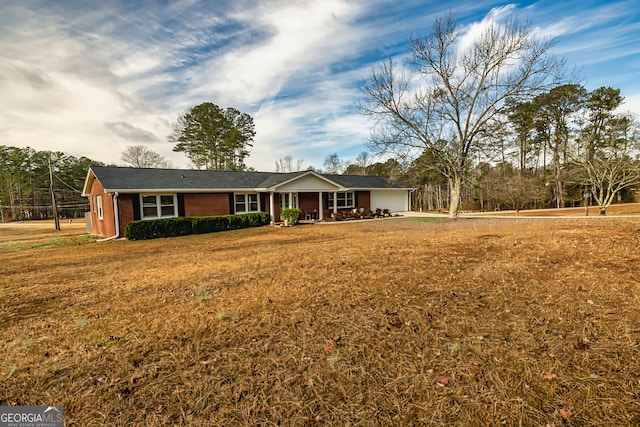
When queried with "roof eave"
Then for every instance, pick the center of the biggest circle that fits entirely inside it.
(381, 188)
(88, 181)
(227, 190)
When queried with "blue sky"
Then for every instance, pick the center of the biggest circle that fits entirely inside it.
(91, 77)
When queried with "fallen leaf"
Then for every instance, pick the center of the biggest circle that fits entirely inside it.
(444, 379)
(565, 413)
(550, 377)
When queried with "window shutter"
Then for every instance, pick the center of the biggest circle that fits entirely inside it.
(232, 204)
(136, 206)
(180, 204)
(264, 202)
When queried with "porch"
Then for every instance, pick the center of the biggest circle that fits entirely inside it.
(322, 205)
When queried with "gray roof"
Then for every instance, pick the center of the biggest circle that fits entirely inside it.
(132, 179)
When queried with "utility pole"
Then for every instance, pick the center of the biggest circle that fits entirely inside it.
(56, 220)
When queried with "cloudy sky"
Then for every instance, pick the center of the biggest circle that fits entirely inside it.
(91, 77)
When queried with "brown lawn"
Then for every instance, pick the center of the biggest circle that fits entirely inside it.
(384, 322)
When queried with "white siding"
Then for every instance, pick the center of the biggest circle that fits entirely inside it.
(307, 183)
(394, 200)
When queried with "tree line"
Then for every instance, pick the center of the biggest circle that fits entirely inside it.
(566, 147)
(25, 183)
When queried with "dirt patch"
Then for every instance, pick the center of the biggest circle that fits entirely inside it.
(391, 322)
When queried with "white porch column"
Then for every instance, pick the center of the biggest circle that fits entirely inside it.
(290, 200)
(272, 214)
(335, 202)
(320, 209)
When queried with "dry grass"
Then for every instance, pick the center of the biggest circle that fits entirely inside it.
(389, 322)
(18, 236)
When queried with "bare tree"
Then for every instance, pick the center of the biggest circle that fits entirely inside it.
(361, 165)
(363, 159)
(454, 92)
(289, 164)
(140, 156)
(614, 166)
(333, 164)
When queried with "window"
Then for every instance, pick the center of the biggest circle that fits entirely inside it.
(286, 202)
(345, 200)
(99, 207)
(158, 205)
(246, 203)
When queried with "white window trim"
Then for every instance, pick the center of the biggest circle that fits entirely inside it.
(99, 209)
(159, 205)
(285, 199)
(246, 203)
(331, 202)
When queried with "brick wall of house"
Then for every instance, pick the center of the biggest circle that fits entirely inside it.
(125, 211)
(206, 204)
(104, 227)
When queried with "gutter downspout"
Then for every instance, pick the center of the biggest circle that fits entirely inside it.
(116, 214)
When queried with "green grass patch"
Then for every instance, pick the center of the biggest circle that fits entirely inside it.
(48, 243)
(423, 219)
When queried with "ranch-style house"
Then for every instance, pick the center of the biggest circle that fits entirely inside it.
(120, 195)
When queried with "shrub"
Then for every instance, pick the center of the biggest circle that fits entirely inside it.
(291, 215)
(182, 226)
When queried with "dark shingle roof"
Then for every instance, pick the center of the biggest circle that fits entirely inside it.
(123, 179)
(115, 178)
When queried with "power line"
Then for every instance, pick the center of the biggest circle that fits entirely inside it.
(71, 187)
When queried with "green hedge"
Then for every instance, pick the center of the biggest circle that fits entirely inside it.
(182, 226)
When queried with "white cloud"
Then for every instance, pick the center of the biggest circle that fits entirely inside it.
(476, 29)
(300, 38)
(632, 104)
